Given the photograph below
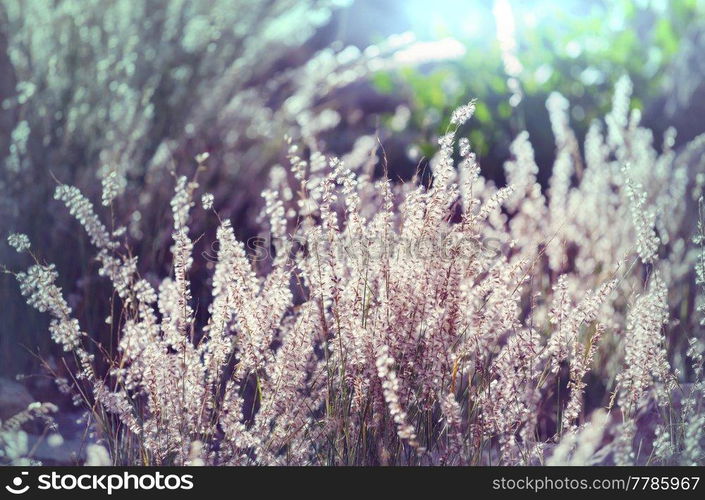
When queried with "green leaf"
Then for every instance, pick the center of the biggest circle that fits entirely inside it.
(383, 82)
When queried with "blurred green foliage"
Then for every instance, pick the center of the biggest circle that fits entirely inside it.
(577, 48)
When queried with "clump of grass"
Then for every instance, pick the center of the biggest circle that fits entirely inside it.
(451, 323)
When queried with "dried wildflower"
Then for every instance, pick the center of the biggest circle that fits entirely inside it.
(33, 411)
(182, 202)
(82, 210)
(113, 186)
(645, 356)
(207, 201)
(647, 242)
(623, 445)
(390, 386)
(452, 414)
(19, 241)
(37, 285)
(463, 114)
